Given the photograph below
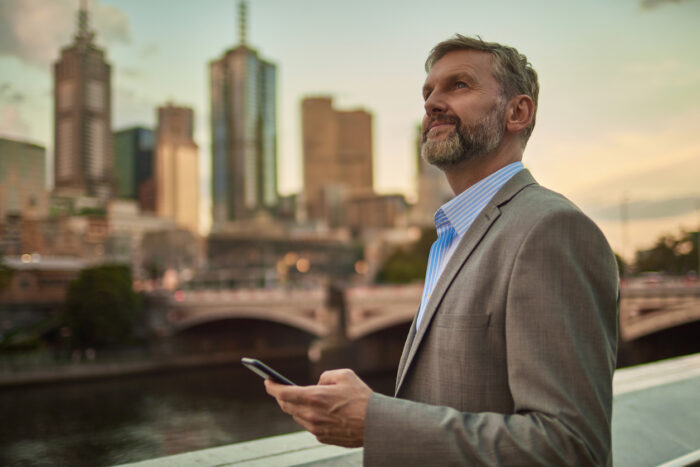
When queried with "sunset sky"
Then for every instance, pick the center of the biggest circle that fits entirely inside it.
(619, 110)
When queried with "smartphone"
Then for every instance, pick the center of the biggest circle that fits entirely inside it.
(264, 371)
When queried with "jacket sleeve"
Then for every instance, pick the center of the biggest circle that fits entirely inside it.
(561, 338)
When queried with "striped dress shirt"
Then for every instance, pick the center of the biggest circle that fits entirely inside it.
(452, 221)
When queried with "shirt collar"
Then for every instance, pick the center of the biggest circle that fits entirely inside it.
(461, 210)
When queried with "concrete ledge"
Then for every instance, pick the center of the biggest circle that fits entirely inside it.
(295, 449)
(656, 414)
(656, 421)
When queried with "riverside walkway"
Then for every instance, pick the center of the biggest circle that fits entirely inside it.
(656, 421)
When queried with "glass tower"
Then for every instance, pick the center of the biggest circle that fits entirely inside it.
(244, 133)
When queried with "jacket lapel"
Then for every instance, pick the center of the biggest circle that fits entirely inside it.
(404, 353)
(466, 246)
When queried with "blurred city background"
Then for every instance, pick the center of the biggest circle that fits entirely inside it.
(186, 183)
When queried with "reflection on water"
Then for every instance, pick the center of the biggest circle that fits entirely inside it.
(129, 419)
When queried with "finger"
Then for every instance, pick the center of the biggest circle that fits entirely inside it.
(335, 376)
(308, 426)
(294, 394)
(339, 440)
(272, 388)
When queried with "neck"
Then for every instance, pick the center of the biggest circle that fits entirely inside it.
(465, 174)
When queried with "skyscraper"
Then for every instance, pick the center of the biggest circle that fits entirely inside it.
(432, 188)
(337, 146)
(244, 133)
(82, 117)
(177, 167)
(133, 163)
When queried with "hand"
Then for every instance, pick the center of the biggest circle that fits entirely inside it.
(334, 410)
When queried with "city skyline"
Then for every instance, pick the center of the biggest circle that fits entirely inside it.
(619, 102)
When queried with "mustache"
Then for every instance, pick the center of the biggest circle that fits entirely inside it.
(442, 119)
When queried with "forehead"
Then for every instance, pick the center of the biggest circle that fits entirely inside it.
(474, 63)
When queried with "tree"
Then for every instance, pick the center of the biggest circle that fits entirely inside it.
(408, 264)
(670, 255)
(101, 308)
(5, 275)
(621, 265)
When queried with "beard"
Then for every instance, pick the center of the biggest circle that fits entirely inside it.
(465, 142)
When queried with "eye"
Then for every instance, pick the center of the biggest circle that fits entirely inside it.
(460, 84)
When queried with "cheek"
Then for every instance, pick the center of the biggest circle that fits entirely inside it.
(424, 124)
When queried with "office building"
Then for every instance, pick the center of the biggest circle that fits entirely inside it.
(133, 164)
(82, 117)
(374, 211)
(337, 151)
(244, 133)
(177, 167)
(22, 180)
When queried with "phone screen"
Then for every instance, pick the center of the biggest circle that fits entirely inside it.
(264, 371)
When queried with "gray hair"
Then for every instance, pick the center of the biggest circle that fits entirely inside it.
(510, 68)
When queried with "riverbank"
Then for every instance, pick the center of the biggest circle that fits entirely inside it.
(62, 373)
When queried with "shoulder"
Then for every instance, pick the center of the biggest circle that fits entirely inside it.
(526, 200)
(535, 204)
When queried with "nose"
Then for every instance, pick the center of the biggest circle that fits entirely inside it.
(435, 103)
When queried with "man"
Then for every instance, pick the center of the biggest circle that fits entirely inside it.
(510, 358)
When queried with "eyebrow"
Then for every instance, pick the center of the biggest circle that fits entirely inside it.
(469, 78)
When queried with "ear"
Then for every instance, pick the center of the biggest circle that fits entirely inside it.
(519, 113)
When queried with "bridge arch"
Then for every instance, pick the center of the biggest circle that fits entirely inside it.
(184, 320)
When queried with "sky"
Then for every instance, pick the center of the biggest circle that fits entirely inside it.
(618, 114)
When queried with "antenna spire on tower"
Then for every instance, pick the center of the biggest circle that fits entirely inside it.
(242, 22)
(84, 31)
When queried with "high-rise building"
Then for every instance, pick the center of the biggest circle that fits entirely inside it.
(177, 167)
(22, 180)
(82, 117)
(244, 133)
(337, 147)
(133, 164)
(432, 187)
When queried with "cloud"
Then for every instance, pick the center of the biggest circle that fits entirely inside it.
(131, 107)
(656, 209)
(648, 5)
(128, 72)
(149, 51)
(112, 24)
(673, 179)
(10, 95)
(35, 30)
(12, 125)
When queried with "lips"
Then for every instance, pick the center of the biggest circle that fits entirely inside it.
(438, 122)
(439, 125)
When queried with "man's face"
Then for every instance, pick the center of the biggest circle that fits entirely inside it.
(464, 109)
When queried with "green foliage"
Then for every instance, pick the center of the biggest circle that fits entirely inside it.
(670, 255)
(408, 264)
(101, 308)
(95, 212)
(621, 265)
(19, 340)
(5, 275)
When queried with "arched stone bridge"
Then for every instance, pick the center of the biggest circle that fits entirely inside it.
(649, 308)
(644, 310)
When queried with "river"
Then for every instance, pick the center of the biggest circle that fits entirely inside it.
(127, 419)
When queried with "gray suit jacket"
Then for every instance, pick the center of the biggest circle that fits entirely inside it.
(513, 361)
